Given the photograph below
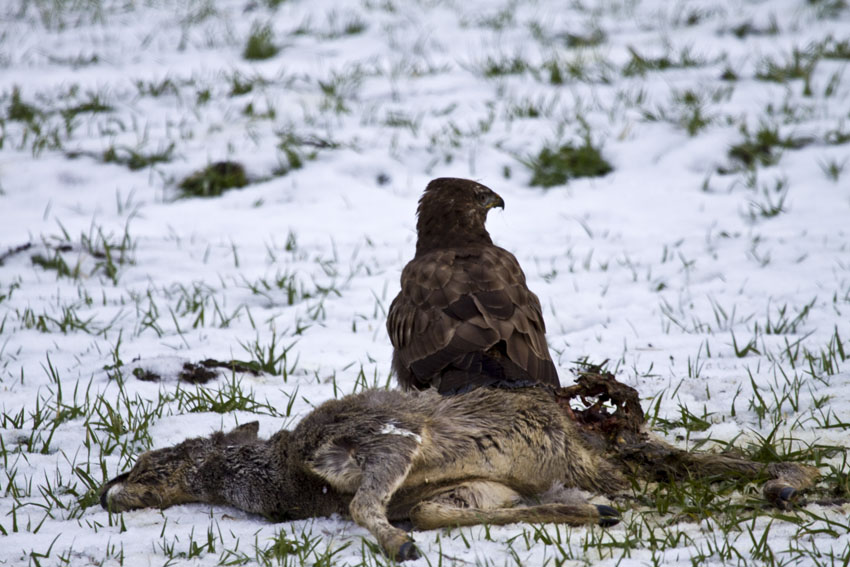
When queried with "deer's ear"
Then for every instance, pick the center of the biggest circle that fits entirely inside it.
(245, 433)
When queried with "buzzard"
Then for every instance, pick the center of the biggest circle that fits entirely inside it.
(464, 317)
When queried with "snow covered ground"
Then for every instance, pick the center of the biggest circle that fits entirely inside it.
(711, 268)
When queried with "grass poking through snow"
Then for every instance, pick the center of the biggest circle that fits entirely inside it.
(557, 165)
(711, 267)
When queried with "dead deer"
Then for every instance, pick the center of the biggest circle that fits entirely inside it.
(487, 456)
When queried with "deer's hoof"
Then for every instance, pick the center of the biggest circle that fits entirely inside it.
(781, 494)
(407, 551)
(786, 498)
(787, 494)
(608, 516)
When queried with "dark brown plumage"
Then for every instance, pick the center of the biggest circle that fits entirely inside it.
(464, 317)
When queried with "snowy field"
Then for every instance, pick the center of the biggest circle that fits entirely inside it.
(710, 267)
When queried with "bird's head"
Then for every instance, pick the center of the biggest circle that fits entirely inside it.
(452, 213)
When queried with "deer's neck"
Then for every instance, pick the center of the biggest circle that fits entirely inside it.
(266, 478)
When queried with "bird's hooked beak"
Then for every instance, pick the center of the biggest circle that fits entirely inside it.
(493, 200)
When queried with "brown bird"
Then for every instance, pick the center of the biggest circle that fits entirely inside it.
(465, 317)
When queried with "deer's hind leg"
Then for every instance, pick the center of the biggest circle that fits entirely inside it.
(662, 462)
(488, 502)
(787, 480)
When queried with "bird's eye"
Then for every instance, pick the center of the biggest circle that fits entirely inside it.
(482, 197)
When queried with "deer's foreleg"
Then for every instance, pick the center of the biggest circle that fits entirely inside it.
(384, 467)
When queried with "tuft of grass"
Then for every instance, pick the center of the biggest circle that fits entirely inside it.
(783, 322)
(834, 49)
(57, 263)
(74, 61)
(203, 96)
(828, 9)
(771, 201)
(268, 114)
(243, 84)
(401, 119)
(21, 111)
(594, 38)
(763, 148)
(260, 43)
(639, 65)
(833, 168)
(239, 87)
(747, 28)
(304, 548)
(339, 88)
(294, 152)
(108, 251)
(354, 26)
(689, 111)
(502, 65)
(686, 420)
(555, 166)
(799, 66)
(343, 25)
(729, 74)
(227, 398)
(837, 136)
(555, 75)
(214, 180)
(694, 116)
(135, 159)
(156, 88)
(272, 358)
(581, 67)
(93, 105)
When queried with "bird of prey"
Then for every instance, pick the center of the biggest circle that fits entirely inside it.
(464, 317)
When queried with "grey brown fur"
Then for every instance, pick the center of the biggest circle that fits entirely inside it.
(487, 456)
(464, 316)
